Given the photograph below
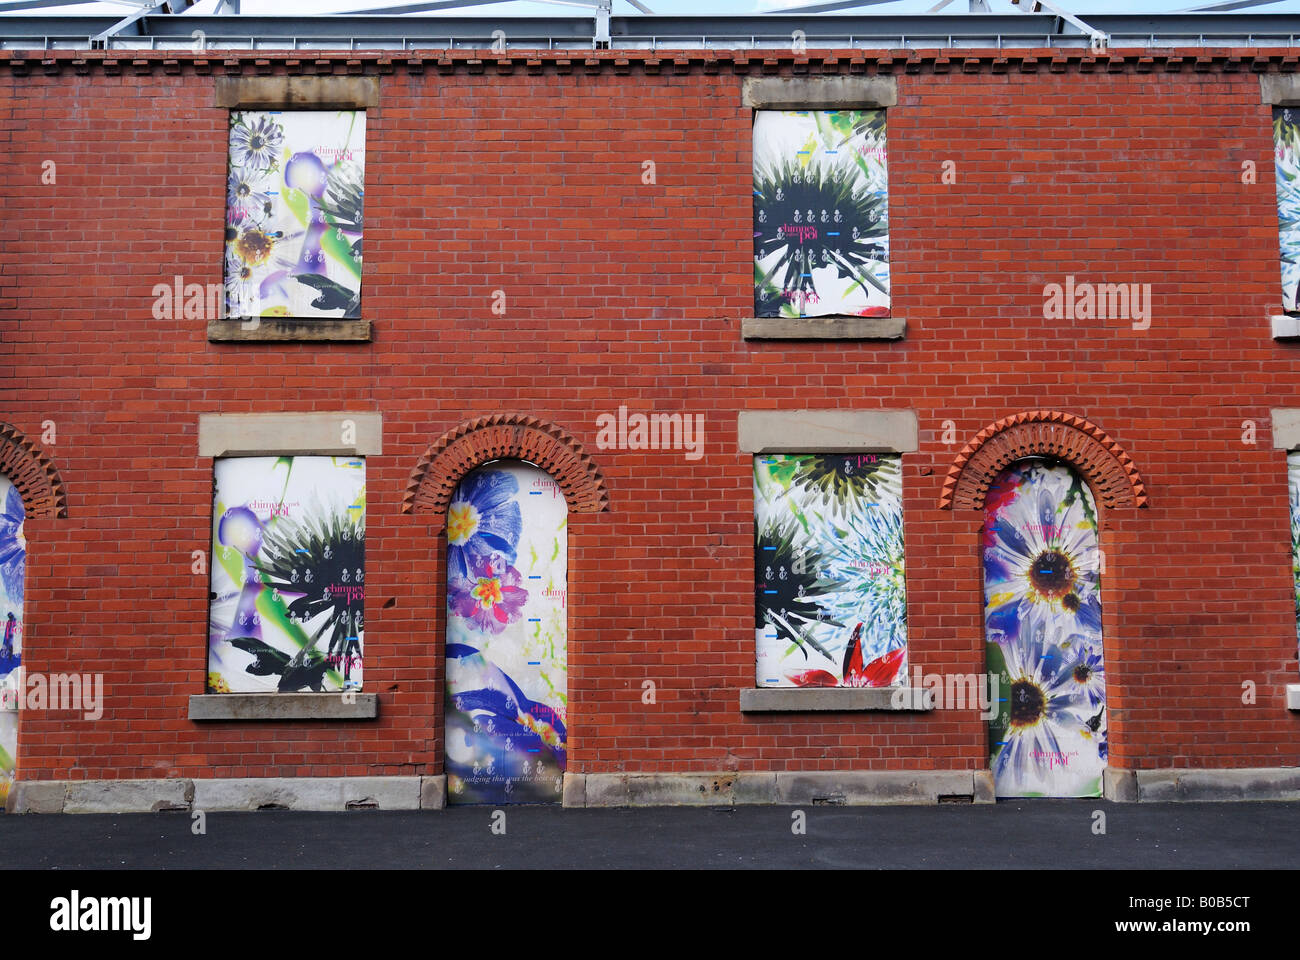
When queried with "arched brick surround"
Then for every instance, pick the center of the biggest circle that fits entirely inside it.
(33, 473)
(514, 436)
(1110, 471)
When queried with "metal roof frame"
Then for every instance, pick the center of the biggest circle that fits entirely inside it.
(170, 25)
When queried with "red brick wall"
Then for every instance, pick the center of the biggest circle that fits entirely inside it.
(620, 292)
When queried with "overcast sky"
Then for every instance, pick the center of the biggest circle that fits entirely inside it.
(523, 8)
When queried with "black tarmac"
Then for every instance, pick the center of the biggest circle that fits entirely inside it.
(1052, 834)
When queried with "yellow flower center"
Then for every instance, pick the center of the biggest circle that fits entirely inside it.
(462, 523)
(488, 592)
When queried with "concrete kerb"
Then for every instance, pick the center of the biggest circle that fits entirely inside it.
(850, 788)
(726, 788)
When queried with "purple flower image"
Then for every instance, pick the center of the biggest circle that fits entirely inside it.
(490, 597)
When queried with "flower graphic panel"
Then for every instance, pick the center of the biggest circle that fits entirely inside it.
(821, 213)
(295, 213)
(483, 519)
(288, 575)
(13, 560)
(1042, 620)
(1293, 484)
(1286, 153)
(507, 650)
(830, 600)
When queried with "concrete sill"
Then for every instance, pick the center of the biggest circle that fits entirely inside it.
(284, 706)
(823, 328)
(1286, 326)
(1293, 696)
(288, 328)
(837, 699)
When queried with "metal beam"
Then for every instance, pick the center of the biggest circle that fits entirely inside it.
(12, 5)
(1099, 39)
(819, 7)
(429, 5)
(1230, 5)
(163, 6)
(642, 31)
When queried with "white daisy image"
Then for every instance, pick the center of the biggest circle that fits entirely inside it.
(1040, 547)
(1042, 621)
(255, 141)
(1050, 741)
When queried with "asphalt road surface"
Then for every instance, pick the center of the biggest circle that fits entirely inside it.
(1052, 834)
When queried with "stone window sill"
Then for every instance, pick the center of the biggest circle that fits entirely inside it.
(288, 328)
(823, 328)
(284, 706)
(836, 699)
(1293, 696)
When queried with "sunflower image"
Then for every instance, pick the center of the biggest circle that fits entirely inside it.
(254, 246)
(1048, 739)
(1040, 548)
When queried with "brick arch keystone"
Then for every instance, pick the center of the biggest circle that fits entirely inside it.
(502, 436)
(33, 473)
(1110, 471)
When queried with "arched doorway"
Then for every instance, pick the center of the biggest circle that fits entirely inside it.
(507, 636)
(1042, 622)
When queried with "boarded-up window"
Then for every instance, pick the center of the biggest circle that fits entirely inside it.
(821, 213)
(831, 606)
(294, 199)
(1286, 147)
(288, 574)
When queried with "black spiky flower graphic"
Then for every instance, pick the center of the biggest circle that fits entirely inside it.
(846, 482)
(787, 583)
(818, 215)
(319, 561)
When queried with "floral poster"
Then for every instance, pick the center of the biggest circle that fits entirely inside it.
(1293, 482)
(13, 559)
(288, 574)
(830, 600)
(1286, 150)
(294, 199)
(1042, 620)
(507, 652)
(821, 213)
